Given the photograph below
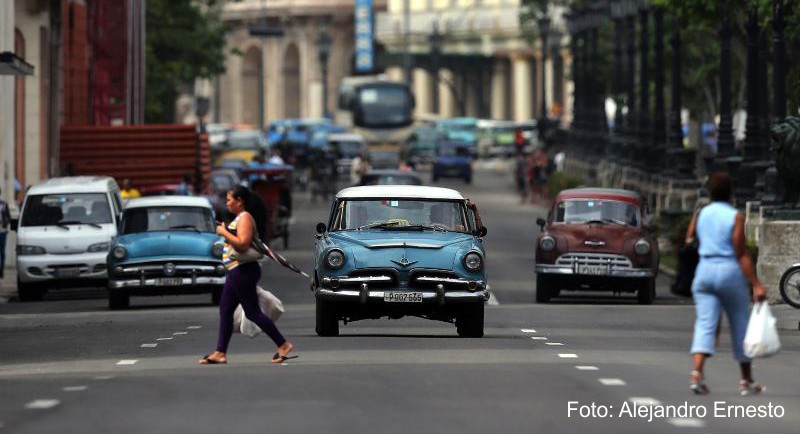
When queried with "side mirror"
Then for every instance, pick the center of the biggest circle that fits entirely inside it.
(321, 228)
(480, 232)
(14, 224)
(541, 222)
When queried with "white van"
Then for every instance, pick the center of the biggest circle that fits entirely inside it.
(63, 234)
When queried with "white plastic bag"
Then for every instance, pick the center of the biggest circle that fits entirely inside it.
(761, 338)
(269, 304)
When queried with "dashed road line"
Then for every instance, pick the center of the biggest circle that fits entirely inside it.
(554, 344)
(74, 388)
(164, 339)
(180, 333)
(644, 401)
(149, 345)
(194, 327)
(538, 338)
(527, 330)
(127, 362)
(103, 377)
(611, 381)
(587, 368)
(687, 422)
(42, 404)
(568, 356)
(492, 299)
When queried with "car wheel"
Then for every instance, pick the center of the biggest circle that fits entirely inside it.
(647, 291)
(29, 292)
(216, 296)
(327, 322)
(469, 322)
(543, 289)
(118, 299)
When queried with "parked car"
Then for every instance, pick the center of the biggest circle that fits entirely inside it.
(597, 239)
(167, 245)
(497, 138)
(390, 177)
(453, 160)
(421, 145)
(346, 146)
(63, 234)
(392, 251)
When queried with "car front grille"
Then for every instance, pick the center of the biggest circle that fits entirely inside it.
(614, 261)
(157, 269)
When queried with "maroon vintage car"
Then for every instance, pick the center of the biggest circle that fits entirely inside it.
(596, 239)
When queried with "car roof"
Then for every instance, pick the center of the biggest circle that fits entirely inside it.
(74, 184)
(173, 201)
(391, 172)
(399, 191)
(601, 193)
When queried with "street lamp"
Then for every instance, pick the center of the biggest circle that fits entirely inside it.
(324, 49)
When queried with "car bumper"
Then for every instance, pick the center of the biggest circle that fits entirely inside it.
(47, 267)
(186, 283)
(443, 291)
(611, 272)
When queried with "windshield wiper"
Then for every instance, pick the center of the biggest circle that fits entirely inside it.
(193, 227)
(605, 220)
(64, 223)
(423, 227)
(382, 225)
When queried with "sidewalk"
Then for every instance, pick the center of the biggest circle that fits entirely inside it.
(8, 285)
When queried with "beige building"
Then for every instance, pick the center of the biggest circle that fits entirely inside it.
(487, 67)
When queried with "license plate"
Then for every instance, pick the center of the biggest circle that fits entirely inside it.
(68, 272)
(402, 297)
(169, 281)
(594, 270)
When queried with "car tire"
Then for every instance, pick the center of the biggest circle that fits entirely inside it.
(544, 292)
(647, 291)
(216, 296)
(118, 300)
(469, 322)
(29, 292)
(327, 321)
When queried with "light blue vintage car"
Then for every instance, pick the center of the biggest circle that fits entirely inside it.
(392, 251)
(166, 245)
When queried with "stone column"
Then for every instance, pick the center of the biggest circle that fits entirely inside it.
(447, 101)
(394, 73)
(423, 91)
(499, 87)
(521, 70)
(7, 105)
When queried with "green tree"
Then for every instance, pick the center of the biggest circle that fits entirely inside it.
(185, 40)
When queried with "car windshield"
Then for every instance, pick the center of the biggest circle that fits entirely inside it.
(597, 211)
(66, 209)
(167, 218)
(400, 214)
(350, 148)
(246, 140)
(385, 105)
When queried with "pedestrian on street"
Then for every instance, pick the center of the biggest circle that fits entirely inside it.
(244, 272)
(721, 282)
(520, 163)
(5, 222)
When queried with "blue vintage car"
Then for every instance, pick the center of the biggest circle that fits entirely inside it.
(397, 250)
(166, 245)
(453, 160)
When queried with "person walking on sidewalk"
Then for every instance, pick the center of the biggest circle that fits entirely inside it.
(721, 282)
(244, 272)
(5, 222)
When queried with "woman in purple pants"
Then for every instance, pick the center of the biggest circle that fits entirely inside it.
(243, 275)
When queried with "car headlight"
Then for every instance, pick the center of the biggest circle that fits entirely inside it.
(216, 250)
(98, 247)
(547, 243)
(473, 261)
(119, 252)
(30, 250)
(335, 259)
(642, 247)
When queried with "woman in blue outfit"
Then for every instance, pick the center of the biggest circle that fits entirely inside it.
(722, 282)
(244, 272)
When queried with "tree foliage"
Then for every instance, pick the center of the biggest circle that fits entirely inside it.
(184, 41)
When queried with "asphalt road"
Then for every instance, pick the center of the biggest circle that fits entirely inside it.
(70, 365)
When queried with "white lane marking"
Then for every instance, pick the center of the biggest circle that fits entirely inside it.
(180, 333)
(492, 300)
(568, 356)
(687, 422)
(527, 330)
(538, 338)
(587, 368)
(127, 362)
(644, 401)
(164, 339)
(611, 381)
(194, 327)
(74, 388)
(42, 404)
(149, 345)
(104, 377)
(553, 343)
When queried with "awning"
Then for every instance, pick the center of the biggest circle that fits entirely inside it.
(10, 64)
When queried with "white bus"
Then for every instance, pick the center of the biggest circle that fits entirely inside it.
(380, 110)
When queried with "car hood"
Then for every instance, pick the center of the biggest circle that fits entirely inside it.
(168, 243)
(439, 250)
(601, 238)
(65, 240)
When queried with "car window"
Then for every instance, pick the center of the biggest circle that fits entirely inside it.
(399, 213)
(153, 219)
(606, 211)
(66, 209)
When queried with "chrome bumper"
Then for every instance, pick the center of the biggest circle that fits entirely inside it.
(364, 296)
(151, 282)
(611, 272)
